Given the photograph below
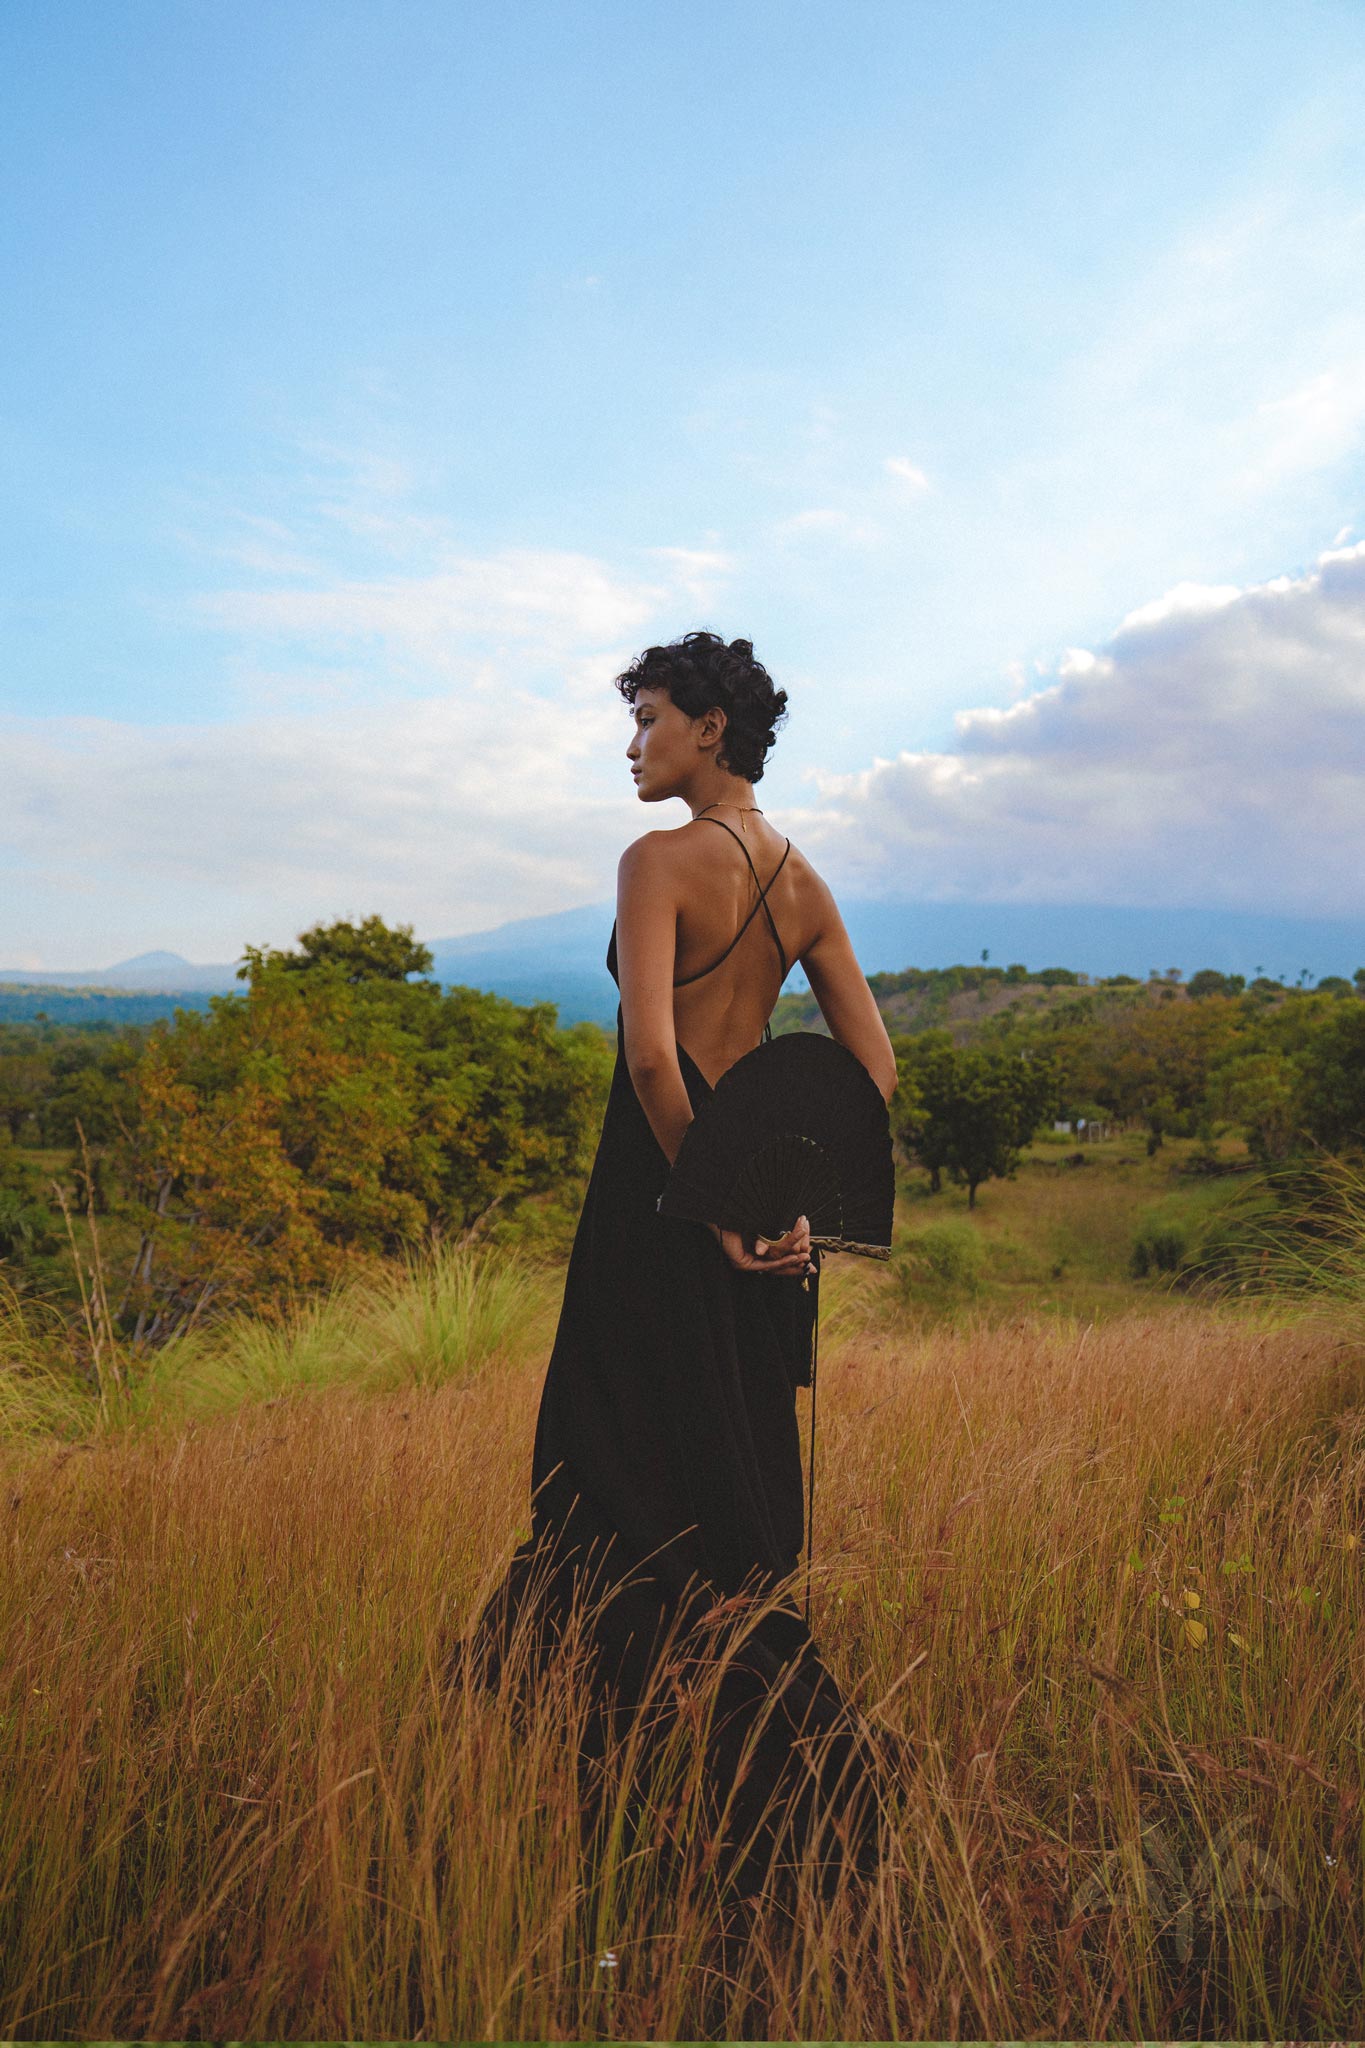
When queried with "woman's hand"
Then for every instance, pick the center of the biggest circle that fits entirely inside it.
(788, 1255)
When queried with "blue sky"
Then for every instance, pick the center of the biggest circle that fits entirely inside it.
(378, 378)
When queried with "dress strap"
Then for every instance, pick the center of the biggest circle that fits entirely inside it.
(762, 904)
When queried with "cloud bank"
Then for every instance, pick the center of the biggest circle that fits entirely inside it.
(443, 747)
(1212, 753)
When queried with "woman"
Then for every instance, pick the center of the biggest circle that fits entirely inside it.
(666, 1474)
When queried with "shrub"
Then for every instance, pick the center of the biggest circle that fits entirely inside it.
(946, 1257)
(1160, 1248)
(1209, 982)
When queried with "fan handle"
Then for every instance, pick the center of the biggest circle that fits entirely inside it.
(848, 1244)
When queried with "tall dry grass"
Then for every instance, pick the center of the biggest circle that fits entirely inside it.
(1106, 1579)
(419, 1323)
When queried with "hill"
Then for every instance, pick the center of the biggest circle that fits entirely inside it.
(561, 958)
(147, 973)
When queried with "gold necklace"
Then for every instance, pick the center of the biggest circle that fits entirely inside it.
(741, 808)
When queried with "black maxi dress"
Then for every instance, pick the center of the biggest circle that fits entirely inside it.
(667, 1475)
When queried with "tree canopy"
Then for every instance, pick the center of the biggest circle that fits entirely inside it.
(968, 1111)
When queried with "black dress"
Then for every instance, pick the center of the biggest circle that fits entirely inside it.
(667, 1470)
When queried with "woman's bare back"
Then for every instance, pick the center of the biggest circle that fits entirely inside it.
(721, 1013)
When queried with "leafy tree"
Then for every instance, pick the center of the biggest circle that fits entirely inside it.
(974, 1111)
(1260, 1091)
(1152, 1060)
(25, 1069)
(90, 1087)
(1209, 982)
(27, 1225)
(922, 1063)
(1332, 1091)
(325, 1115)
(372, 951)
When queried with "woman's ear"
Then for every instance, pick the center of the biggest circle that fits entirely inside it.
(711, 727)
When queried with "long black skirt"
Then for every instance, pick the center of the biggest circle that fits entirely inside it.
(666, 1479)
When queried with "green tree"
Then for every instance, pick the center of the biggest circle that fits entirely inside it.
(974, 1110)
(27, 1225)
(1152, 1060)
(922, 1063)
(1260, 1091)
(1332, 1069)
(1209, 982)
(25, 1073)
(371, 951)
(325, 1116)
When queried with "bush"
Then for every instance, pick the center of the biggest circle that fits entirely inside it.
(1160, 1248)
(947, 1257)
(1209, 982)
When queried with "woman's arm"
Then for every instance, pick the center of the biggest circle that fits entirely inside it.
(846, 1002)
(646, 937)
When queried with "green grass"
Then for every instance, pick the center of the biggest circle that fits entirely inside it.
(1059, 1237)
(1056, 1240)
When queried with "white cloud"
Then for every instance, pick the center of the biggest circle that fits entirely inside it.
(829, 522)
(444, 747)
(456, 812)
(543, 599)
(698, 573)
(906, 472)
(1311, 427)
(1213, 753)
(1185, 600)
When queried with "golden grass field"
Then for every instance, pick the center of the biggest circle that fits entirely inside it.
(1093, 1547)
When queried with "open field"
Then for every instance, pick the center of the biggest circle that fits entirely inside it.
(1059, 1237)
(1104, 1573)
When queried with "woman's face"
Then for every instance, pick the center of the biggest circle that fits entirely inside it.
(664, 749)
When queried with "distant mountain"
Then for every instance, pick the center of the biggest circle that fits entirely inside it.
(148, 974)
(1099, 939)
(561, 958)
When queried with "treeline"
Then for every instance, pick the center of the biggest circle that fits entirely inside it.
(91, 1009)
(336, 1109)
(961, 998)
(1208, 981)
(343, 1107)
(1282, 1068)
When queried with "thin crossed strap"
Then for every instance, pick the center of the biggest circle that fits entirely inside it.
(762, 904)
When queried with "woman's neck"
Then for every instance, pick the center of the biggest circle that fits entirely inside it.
(738, 798)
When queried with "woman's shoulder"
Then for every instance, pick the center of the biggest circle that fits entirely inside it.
(650, 852)
(676, 849)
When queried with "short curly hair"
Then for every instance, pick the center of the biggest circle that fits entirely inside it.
(700, 671)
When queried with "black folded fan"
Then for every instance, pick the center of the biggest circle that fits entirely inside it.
(797, 1127)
